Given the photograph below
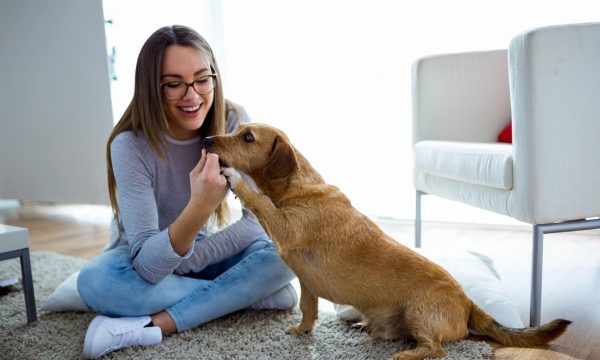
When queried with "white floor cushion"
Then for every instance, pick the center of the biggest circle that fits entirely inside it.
(476, 273)
(66, 297)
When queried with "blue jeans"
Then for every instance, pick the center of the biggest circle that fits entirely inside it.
(110, 286)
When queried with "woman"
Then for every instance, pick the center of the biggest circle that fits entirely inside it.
(163, 272)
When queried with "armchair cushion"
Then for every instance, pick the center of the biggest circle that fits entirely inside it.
(485, 164)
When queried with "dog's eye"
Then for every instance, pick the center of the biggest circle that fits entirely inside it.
(248, 137)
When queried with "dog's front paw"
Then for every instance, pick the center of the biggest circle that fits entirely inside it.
(298, 330)
(233, 177)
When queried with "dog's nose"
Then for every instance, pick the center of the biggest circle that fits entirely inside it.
(208, 141)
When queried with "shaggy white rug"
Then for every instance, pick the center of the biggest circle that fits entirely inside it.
(242, 335)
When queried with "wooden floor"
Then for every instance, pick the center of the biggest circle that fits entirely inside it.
(571, 280)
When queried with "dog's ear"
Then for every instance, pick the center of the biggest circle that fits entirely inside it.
(282, 161)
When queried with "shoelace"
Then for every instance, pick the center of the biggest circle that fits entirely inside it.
(129, 338)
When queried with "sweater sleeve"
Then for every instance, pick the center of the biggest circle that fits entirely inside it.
(150, 247)
(223, 244)
(234, 238)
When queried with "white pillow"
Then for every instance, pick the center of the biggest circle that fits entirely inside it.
(66, 297)
(477, 275)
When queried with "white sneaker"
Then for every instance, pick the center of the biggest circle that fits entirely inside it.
(282, 299)
(106, 334)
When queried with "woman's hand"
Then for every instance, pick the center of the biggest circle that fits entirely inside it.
(208, 186)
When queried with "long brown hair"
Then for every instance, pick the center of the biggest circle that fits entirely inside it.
(146, 112)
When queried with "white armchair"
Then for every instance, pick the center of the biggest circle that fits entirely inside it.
(548, 82)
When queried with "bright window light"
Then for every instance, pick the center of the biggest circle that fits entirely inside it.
(336, 75)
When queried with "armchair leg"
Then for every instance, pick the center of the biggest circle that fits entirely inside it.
(536, 271)
(418, 219)
(536, 276)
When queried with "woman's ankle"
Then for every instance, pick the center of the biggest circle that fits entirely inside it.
(164, 321)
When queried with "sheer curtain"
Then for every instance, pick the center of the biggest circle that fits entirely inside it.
(335, 75)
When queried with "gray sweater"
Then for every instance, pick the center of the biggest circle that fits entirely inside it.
(152, 193)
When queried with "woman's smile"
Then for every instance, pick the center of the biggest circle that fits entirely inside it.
(190, 111)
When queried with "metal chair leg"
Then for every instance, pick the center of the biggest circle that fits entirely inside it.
(536, 276)
(537, 257)
(418, 219)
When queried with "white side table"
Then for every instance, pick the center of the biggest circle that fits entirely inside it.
(14, 242)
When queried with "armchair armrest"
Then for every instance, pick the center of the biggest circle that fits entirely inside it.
(555, 96)
(460, 97)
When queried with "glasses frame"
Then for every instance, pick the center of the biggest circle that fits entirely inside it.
(188, 85)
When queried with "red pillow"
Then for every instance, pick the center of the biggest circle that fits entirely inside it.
(505, 135)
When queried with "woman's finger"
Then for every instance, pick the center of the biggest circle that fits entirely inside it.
(212, 163)
(200, 166)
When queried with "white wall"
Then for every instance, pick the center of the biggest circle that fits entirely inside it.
(55, 101)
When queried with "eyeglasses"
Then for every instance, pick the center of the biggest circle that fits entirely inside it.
(176, 90)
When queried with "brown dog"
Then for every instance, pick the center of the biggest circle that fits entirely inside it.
(342, 256)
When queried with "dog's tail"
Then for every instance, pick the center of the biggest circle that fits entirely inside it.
(526, 337)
